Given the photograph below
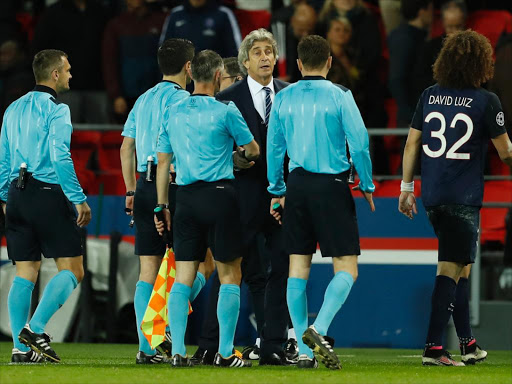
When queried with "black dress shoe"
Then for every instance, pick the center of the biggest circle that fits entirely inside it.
(274, 359)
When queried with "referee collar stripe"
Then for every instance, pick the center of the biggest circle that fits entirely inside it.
(44, 88)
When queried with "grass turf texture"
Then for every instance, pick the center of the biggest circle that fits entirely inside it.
(115, 363)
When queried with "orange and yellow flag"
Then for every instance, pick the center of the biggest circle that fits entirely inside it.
(156, 317)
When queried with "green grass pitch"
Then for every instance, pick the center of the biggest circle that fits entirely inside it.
(115, 363)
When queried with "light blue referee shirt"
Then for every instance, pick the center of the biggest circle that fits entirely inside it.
(36, 130)
(200, 131)
(312, 120)
(146, 117)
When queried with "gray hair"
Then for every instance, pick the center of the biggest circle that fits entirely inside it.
(257, 35)
(205, 64)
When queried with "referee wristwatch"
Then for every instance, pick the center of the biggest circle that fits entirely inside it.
(130, 193)
(163, 206)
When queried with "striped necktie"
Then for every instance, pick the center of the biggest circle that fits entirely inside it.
(268, 103)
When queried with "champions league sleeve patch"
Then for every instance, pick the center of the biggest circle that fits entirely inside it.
(500, 119)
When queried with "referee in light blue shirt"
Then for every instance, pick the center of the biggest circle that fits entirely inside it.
(38, 188)
(313, 120)
(140, 137)
(201, 131)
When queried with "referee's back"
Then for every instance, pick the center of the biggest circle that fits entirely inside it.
(36, 130)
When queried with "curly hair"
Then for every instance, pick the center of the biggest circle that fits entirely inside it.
(465, 61)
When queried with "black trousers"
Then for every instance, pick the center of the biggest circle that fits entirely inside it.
(265, 271)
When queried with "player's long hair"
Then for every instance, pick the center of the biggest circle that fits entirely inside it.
(465, 61)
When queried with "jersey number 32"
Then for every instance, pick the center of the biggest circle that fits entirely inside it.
(452, 152)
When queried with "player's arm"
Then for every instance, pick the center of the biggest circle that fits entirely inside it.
(359, 146)
(238, 129)
(128, 163)
(276, 151)
(5, 165)
(407, 200)
(59, 137)
(164, 156)
(503, 145)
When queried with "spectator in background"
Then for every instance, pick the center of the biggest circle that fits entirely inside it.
(405, 45)
(130, 44)
(206, 24)
(76, 27)
(390, 13)
(343, 70)
(453, 16)
(302, 23)
(231, 73)
(365, 43)
(16, 77)
(279, 25)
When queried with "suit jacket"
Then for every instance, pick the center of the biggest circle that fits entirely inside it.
(252, 183)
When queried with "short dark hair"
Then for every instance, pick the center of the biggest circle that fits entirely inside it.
(205, 64)
(45, 62)
(465, 61)
(410, 8)
(231, 66)
(173, 54)
(461, 4)
(313, 51)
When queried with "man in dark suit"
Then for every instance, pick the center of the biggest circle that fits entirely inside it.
(265, 264)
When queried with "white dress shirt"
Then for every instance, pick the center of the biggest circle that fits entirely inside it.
(258, 94)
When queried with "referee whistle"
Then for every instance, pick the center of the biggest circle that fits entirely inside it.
(151, 162)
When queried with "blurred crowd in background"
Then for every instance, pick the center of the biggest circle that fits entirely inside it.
(383, 50)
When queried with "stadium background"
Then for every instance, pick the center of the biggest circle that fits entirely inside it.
(389, 305)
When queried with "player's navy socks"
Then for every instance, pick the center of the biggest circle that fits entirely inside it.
(461, 311)
(199, 283)
(443, 298)
(298, 308)
(178, 316)
(335, 295)
(55, 295)
(228, 309)
(140, 302)
(18, 303)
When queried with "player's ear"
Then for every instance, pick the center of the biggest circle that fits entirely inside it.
(299, 64)
(329, 62)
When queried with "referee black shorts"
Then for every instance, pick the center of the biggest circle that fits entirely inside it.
(207, 215)
(147, 240)
(40, 219)
(456, 227)
(320, 208)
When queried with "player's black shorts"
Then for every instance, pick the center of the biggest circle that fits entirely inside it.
(147, 240)
(40, 219)
(456, 227)
(207, 215)
(320, 208)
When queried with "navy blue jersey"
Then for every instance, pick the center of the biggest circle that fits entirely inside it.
(456, 127)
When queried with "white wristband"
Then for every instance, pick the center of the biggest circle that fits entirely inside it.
(407, 187)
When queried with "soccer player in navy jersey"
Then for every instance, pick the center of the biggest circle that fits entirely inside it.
(453, 122)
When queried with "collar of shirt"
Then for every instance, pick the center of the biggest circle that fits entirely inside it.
(172, 82)
(258, 94)
(44, 88)
(313, 78)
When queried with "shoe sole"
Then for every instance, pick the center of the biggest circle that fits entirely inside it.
(437, 363)
(328, 358)
(36, 349)
(474, 361)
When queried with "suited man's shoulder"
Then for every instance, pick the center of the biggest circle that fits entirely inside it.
(280, 84)
(232, 91)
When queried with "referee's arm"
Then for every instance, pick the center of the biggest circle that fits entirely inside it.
(59, 139)
(276, 150)
(5, 164)
(358, 142)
